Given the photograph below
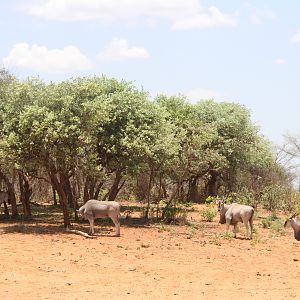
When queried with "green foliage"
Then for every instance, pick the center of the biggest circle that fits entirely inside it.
(267, 222)
(175, 213)
(274, 223)
(208, 213)
(234, 132)
(277, 226)
(257, 238)
(211, 200)
(275, 197)
(99, 127)
(216, 240)
(245, 196)
(228, 235)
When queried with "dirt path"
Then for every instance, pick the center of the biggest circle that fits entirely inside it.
(173, 262)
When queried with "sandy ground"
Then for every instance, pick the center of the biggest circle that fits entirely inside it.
(40, 261)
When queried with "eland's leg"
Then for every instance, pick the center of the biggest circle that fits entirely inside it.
(117, 224)
(91, 220)
(235, 229)
(228, 225)
(247, 230)
(251, 227)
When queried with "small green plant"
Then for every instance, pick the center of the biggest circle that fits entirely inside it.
(197, 226)
(192, 232)
(208, 214)
(267, 222)
(163, 227)
(228, 235)
(173, 231)
(216, 240)
(176, 212)
(210, 200)
(256, 238)
(277, 226)
(256, 215)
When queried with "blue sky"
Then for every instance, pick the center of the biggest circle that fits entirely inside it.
(238, 51)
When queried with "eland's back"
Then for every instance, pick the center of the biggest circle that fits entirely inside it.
(94, 209)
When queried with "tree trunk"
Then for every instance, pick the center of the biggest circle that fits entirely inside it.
(172, 197)
(11, 195)
(76, 196)
(212, 185)
(98, 189)
(193, 195)
(68, 190)
(25, 194)
(88, 188)
(58, 182)
(116, 187)
(149, 194)
(142, 186)
(86, 195)
(91, 188)
(54, 196)
(6, 211)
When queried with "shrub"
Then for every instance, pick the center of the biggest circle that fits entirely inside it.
(275, 197)
(208, 214)
(277, 226)
(267, 222)
(274, 223)
(244, 196)
(176, 212)
(228, 235)
(210, 200)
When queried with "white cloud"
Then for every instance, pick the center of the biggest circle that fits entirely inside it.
(118, 49)
(259, 16)
(42, 59)
(296, 37)
(213, 19)
(198, 94)
(280, 61)
(183, 14)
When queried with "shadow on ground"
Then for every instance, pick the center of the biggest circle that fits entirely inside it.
(48, 219)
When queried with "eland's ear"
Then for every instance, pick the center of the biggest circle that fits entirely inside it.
(286, 223)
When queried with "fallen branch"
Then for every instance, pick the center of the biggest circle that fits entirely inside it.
(81, 233)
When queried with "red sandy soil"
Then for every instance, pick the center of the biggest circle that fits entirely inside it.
(40, 261)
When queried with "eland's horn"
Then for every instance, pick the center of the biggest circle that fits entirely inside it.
(294, 215)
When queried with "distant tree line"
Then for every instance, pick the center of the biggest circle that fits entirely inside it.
(105, 139)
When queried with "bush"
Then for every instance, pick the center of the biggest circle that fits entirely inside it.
(277, 226)
(228, 235)
(267, 222)
(244, 196)
(275, 197)
(274, 223)
(210, 200)
(176, 212)
(208, 214)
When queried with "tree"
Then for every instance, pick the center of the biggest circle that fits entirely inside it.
(43, 130)
(6, 165)
(216, 140)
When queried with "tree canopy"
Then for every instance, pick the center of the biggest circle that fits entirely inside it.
(95, 136)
